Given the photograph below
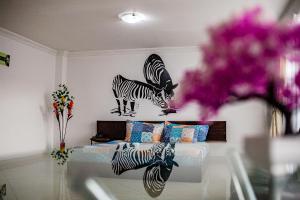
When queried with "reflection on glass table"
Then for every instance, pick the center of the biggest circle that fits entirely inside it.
(250, 182)
(189, 173)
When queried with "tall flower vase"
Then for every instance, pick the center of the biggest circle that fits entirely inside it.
(62, 107)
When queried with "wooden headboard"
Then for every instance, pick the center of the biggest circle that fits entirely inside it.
(117, 129)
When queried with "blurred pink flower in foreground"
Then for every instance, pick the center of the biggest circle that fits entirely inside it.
(242, 61)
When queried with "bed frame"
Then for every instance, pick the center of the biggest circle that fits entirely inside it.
(116, 130)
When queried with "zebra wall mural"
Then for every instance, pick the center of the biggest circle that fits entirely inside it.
(158, 88)
(159, 160)
(130, 91)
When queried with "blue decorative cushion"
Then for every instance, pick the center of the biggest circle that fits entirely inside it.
(175, 134)
(199, 134)
(136, 134)
(166, 133)
(145, 132)
(146, 137)
(202, 131)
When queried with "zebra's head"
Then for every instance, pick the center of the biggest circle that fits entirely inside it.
(169, 154)
(169, 89)
(157, 98)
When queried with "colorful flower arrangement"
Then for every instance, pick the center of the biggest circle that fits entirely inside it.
(63, 105)
(241, 61)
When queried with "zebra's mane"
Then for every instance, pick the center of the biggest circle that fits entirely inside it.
(140, 83)
(154, 57)
(145, 85)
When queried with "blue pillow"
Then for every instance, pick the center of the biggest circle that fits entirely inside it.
(136, 134)
(171, 134)
(201, 132)
(199, 136)
(166, 133)
(145, 132)
(175, 134)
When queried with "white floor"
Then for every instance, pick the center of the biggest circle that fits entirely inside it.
(39, 178)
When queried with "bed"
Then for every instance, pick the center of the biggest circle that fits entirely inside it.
(187, 164)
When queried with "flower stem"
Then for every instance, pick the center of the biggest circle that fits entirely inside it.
(62, 129)
(59, 127)
(66, 128)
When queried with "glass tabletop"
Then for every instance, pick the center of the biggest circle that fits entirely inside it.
(253, 182)
(41, 177)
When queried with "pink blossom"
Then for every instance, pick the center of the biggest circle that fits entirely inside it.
(241, 58)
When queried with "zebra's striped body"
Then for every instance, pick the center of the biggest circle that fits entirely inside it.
(156, 75)
(130, 91)
(157, 174)
(128, 157)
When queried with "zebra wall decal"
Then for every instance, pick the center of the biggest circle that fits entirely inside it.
(158, 88)
(157, 75)
(158, 160)
(131, 90)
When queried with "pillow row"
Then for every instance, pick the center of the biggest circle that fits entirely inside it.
(185, 133)
(142, 132)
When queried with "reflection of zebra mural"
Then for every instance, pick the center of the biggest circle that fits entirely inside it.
(157, 174)
(128, 157)
(3, 192)
(130, 91)
(158, 160)
(157, 75)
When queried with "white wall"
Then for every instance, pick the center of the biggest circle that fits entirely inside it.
(90, 76)
(26, 122)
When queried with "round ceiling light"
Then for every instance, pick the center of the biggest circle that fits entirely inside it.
(132, 17)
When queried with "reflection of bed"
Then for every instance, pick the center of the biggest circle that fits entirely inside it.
(95, 161)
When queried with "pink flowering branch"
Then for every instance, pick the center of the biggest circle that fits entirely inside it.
(242, 61)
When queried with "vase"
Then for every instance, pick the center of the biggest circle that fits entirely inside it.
(278, 159)
(62, 146)
(268, 152)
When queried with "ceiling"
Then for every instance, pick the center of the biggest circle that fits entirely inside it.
(79, 25)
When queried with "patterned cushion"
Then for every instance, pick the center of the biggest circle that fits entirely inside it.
(166, 137)
(157, 132)
(146, 137)
(175, 134)
(190, 133)
(202, 131)
(182, 134)
(136, 134)
(146, 132)
(166, 133)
